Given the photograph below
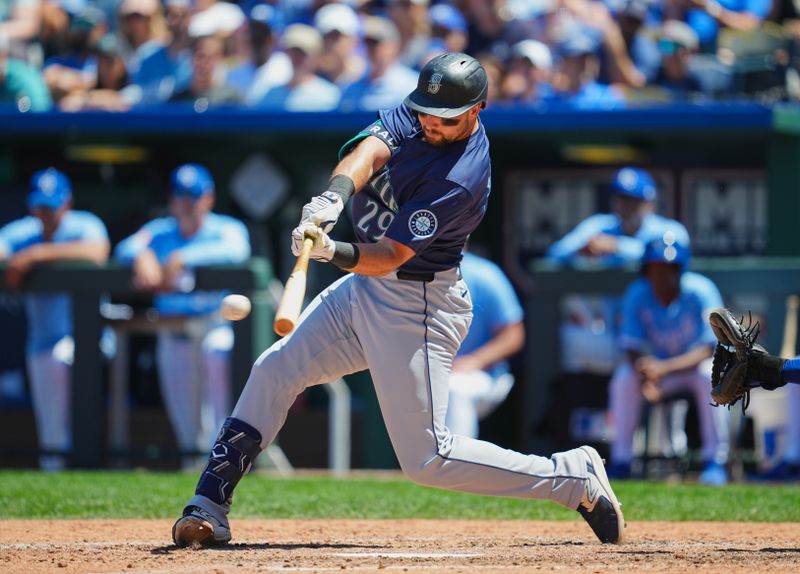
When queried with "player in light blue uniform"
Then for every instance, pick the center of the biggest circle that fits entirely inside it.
(614, 239)
(52, 232)
(481, 377)
(419, 180)
(669, 344)
(163, 253)
(608, 240)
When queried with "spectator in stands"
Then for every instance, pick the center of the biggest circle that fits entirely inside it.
(706, 17)
(618, 238)
(678, 42)
(339, 62)
(577, 77)
(21, 85)
(528, 76)
(217, 18)
(20, 21)
(75, 70)
(580, 20)
(449, 27)
(481, 378)
(111, 93)
(265, 67)
(52, 232)
(163, 254)
(386, 81)
(487, 24)
(136, 24)
(167, 69)
(640, 45)
(668, 342)
(306, 91)
(206, 87)
(411, 19)
(495, 71)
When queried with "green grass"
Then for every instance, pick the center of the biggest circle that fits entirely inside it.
(161, 495)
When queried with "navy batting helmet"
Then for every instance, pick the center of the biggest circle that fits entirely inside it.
(449, 85)
(667, 249)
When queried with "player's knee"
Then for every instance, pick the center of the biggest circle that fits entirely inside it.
(427, 473)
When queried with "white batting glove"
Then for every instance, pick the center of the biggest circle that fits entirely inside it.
(323, 247)
(323, 211)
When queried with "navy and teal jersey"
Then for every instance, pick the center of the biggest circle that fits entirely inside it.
(426, 197)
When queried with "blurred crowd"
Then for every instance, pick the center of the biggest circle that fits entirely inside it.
(318, 55)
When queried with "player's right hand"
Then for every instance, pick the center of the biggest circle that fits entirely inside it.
(323, 211)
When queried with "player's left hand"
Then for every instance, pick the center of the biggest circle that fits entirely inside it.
(323, 211)
(323, 245)
(649, 369)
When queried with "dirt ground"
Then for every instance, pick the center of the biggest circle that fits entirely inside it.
(428, 546)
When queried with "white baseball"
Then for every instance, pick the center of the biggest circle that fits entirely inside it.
(235, 307)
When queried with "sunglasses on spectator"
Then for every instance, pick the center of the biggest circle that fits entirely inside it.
(669, 47)
(445, 121)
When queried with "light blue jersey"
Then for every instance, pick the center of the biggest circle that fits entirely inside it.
(220, 240)
(494, 305)
(664, 332)
(629, 248)
(49, 315)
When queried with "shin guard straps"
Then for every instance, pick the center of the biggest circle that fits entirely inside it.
(233, 453)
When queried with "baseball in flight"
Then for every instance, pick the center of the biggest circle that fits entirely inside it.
(235, 307)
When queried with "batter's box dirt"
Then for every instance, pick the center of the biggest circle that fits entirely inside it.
(428, 546)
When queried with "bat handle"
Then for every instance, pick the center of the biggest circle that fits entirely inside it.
(294, 291)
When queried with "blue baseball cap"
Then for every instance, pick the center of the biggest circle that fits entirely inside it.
(634, 182)
(49, 188)
(192, 180)
(667, 249)
(447, 17)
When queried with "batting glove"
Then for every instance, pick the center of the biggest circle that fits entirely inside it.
(323, 247)
(323, 211)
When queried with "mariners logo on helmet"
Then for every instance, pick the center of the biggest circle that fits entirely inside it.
(435, 83)
(422, 223)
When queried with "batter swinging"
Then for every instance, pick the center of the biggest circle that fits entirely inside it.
(419, 178)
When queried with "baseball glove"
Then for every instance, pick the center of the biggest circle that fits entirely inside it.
(740, 364)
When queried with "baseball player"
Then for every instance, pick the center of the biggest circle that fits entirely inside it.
(419, 182)
(480, 378)
(161, 253)
(617, 238)
(741, 365)
(53, 231)
(668, 343)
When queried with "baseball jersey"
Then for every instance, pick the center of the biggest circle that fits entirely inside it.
(629, 248)
(664, 332)
(494, 306)
(49, 314)
(220, 240)
(428, 198)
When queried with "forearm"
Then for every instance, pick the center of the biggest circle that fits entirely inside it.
(375, 259)
(507, 342)
(688, 360)
(96, 251)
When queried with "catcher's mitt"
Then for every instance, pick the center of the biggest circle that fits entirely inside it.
(739, 363)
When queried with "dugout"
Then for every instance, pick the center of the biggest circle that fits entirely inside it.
(724, 162)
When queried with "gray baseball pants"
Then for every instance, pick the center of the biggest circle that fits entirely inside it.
(406, 333)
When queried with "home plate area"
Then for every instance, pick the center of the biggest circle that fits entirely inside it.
(138, 546)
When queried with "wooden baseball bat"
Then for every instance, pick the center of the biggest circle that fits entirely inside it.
(293, 293)
(789, 347)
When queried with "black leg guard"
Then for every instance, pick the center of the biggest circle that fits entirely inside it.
(233, 453)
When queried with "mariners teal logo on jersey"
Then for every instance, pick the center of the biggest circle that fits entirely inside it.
(435, 83)
(422, 223)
